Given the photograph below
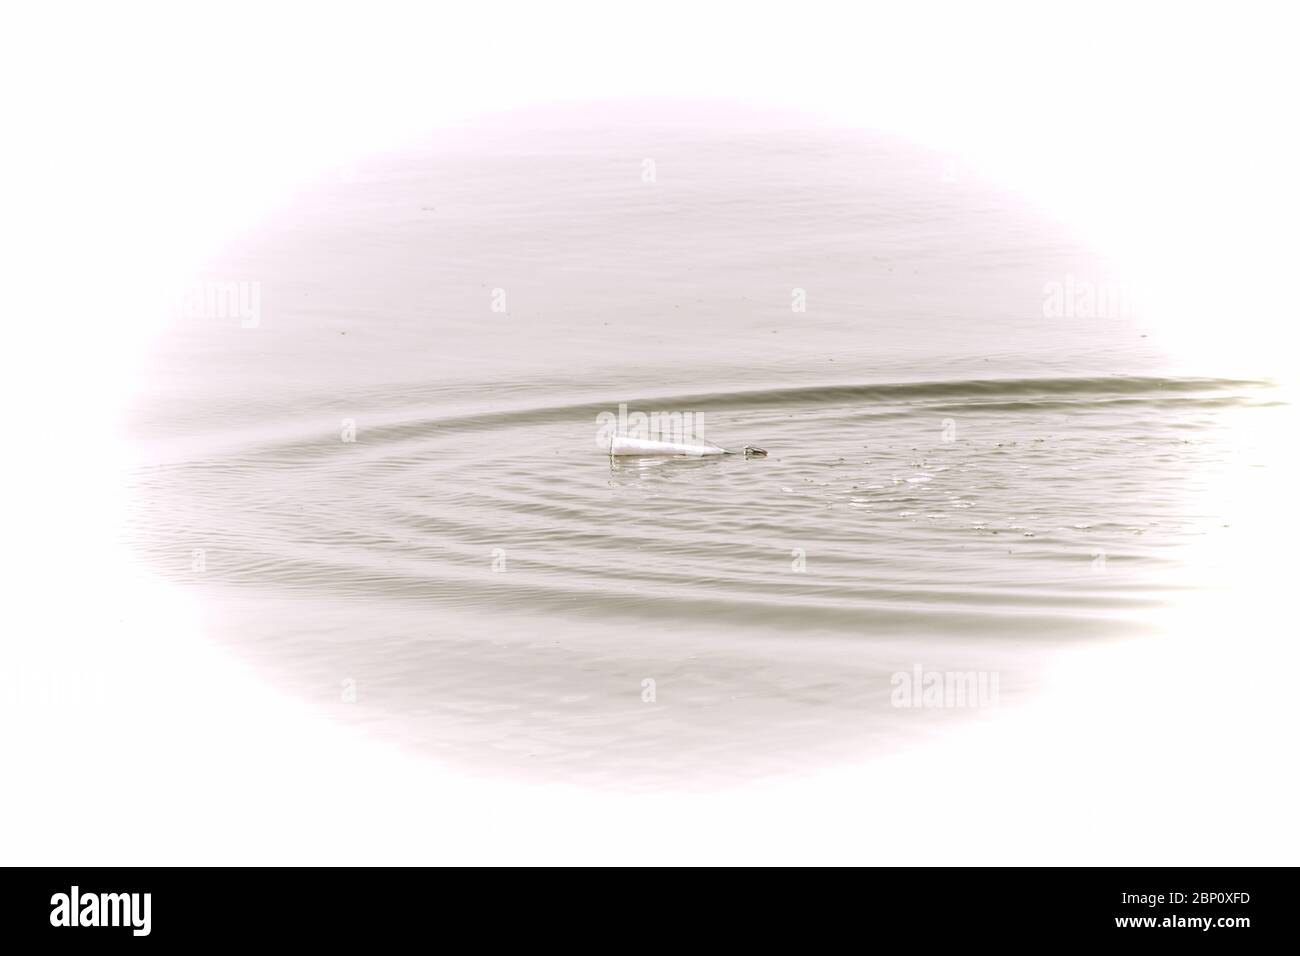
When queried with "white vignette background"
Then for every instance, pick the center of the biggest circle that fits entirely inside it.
(144, 136)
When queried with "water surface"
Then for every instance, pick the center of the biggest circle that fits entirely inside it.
(388, 494)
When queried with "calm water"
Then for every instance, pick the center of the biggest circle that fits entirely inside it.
(961, 476)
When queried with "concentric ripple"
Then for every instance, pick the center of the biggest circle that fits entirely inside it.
(958, 514)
